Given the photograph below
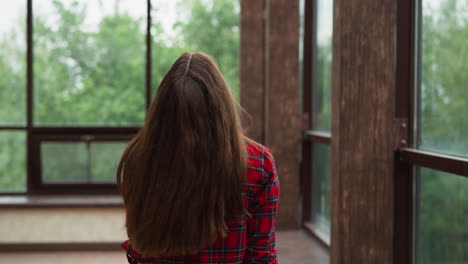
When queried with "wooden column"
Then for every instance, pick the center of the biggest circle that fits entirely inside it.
(283, 103)
(270, 90)
(252, 67)
(362, 128)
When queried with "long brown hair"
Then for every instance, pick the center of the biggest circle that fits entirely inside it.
(181, 176)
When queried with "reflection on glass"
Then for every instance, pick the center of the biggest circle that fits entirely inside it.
(321, 188)
(443, 89)
(12, 62)
(442, 217)
(89, 62)
(322, 66)
(12, 161)
(64, 162)
(209, 26)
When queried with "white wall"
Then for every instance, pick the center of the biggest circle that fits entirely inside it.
(53, 225)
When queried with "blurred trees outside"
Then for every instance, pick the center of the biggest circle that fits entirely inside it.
(94, 75)
(444, 78)
(441, 226)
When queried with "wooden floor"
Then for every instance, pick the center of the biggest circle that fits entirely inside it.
(294, 247)
(297, 247)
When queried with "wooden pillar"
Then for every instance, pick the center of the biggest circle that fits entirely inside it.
(270, 90)
(363, 109)
(252, 67)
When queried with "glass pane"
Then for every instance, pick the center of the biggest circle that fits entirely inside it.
(322, 66)
(82, 162)
(89, 62)
(12, 161)
(443, 89)
(12, 62)
(64, 162)
(442, 218)
(105, 158)
(321, 187)
(209, 26)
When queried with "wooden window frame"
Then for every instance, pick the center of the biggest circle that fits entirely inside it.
(309, 136)
(36, 134)
(408, 156)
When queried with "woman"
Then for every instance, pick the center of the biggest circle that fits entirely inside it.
(197, 190)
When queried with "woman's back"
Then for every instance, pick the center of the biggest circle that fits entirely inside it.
(190, 177)
(251, 240)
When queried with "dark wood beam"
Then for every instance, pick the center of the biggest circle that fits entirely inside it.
(436, 161)
(363, 112)
(252, 77)
(269, 89)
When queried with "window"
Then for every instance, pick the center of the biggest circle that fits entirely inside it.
(441, 127)
(437, 155)
(13, 160)
(321, 206)
(443, 80)
(322, 66)
(12, 96)
(441, 213)
(317, 113)
(76, 88)
(89, 59)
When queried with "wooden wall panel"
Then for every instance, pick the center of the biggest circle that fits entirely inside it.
(362, 129)
(270, 90)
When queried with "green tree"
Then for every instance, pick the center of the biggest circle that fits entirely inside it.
(12, 109)
(89, 78)
(443, 211)
(96, 77)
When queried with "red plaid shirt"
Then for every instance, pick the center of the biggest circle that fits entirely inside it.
(251, 240)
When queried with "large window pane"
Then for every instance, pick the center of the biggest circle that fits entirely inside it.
(322, 63)
(12, 62)
(89, 62)
(12, 161)
(321, 188)
(209, 26)
(443, 89)
(94, 162)
(442, 217)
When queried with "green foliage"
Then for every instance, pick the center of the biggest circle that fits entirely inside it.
(80, 162)
(322, 88)
(88, 78)
(321, 204)
(12, 160)
(96, 77)
(444, 78)
(442, 228)
(64, 161)
(322, 66)
(443, 212)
